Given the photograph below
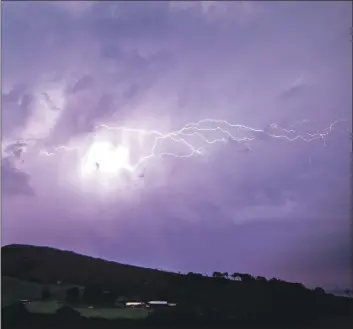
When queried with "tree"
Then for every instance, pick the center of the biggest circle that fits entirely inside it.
(217, 275)
(235, 276)
(46, 293)
(109, 298)
(246, 277)
(73, 295)
(261, 279)
(92, 295)
(194, 276)
(348, 292)
(319, 291)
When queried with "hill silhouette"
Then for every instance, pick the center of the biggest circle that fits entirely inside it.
(50, 265)
(238, 297)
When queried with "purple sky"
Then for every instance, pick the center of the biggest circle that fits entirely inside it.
(279, 210)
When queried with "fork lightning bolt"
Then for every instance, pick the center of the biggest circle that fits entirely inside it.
(200, 128)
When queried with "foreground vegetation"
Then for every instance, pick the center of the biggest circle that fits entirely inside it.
(17, 316)
(79, 281)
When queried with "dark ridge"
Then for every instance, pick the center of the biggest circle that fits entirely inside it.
(49, 265)
(223, 297)
(25, 246)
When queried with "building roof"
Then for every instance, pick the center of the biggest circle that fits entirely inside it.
(158, 302)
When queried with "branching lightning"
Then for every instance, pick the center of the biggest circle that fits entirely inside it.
(226, 132)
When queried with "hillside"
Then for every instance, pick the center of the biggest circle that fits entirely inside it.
(252, 299)
(49, 265)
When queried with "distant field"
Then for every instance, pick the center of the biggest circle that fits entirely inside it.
(46, 307)
(14, 290)
(114, 313)
(50, 307)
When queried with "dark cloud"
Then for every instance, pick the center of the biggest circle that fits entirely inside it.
(132, 91)
(83, 83)
(295, 89)
(49, 101)
(292, 92)
(338, 255)
(13, 181)
(139, 74)
(327, 254)
(105, 104)
(16, 149)
(14, 94)
(16, 107)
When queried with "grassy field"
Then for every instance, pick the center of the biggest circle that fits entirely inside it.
(43, 307)
(50, 307)
(114, 313)
(14, 290)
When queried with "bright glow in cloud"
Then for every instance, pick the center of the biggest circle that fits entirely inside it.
(105, 158)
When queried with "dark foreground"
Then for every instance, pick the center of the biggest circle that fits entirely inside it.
(17, 317)
(238, 300)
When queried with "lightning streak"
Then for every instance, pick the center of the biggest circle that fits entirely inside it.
(202, 128)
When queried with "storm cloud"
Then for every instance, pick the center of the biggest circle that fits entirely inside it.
(266, 206)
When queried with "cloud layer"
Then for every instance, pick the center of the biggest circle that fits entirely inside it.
(277, 208)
